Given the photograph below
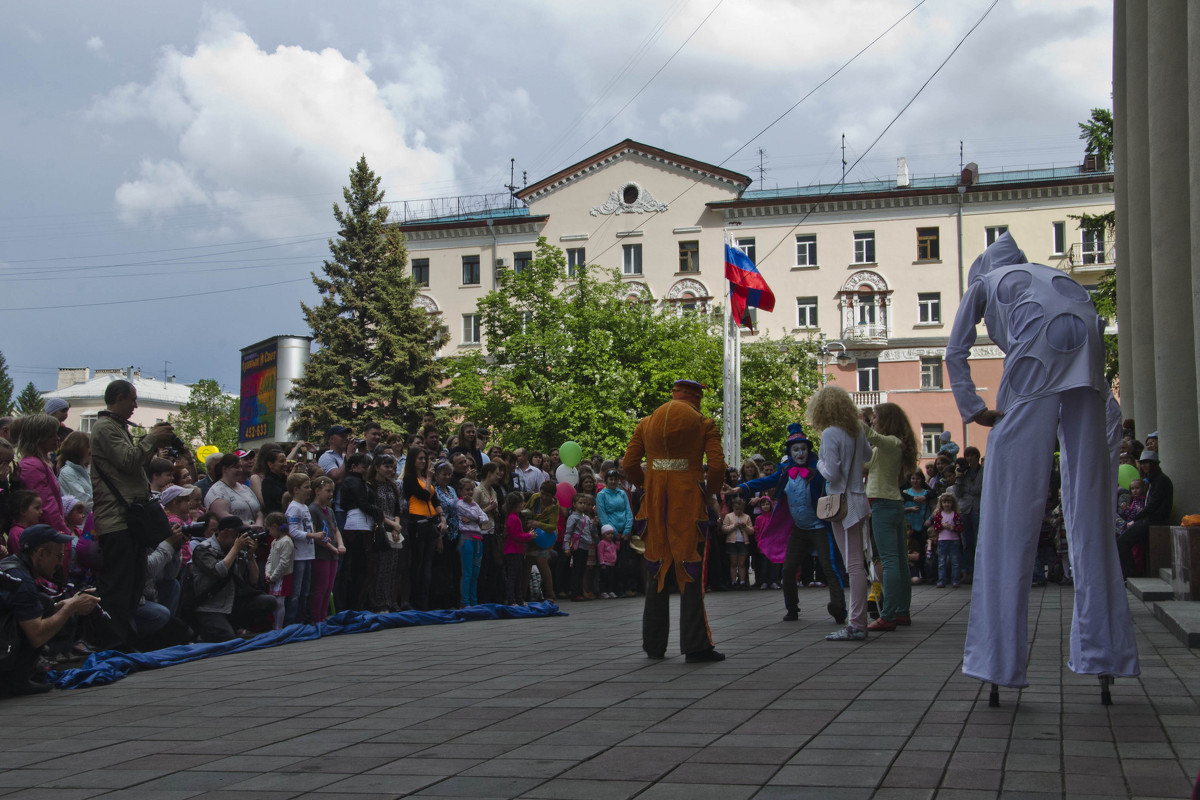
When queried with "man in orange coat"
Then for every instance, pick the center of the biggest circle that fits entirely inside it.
(675, 440)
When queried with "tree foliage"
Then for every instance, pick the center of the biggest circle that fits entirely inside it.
(208, 417)
(6, 388)
(376, 349)
(29, 401)
(1097, 135)
(574, 359)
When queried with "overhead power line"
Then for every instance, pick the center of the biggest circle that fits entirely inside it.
(189, 295)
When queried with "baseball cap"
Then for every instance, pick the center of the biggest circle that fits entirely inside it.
(1147, 455)
(337, 430)
(232, 523)
(35, 536)
(244, 453)
(173, 492)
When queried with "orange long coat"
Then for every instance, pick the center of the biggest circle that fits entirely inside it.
(676, 437)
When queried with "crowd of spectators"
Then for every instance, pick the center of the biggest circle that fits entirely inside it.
(390, 522)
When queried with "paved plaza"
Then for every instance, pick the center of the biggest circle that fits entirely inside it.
(568, 707)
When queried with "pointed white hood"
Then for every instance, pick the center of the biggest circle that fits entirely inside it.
(1001, 253)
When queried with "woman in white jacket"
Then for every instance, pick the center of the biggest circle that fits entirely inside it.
(843, 456)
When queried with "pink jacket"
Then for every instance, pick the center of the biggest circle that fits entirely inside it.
(606, 553)
(37, 476)
(515, 536)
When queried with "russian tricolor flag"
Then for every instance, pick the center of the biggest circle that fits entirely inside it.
(749, 288)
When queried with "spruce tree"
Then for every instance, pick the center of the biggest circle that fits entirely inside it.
(30, 401)
(6, 388)
(376, 356)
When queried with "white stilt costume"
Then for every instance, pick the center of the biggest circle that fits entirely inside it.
(1053, 383)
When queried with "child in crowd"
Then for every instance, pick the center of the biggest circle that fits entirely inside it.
(300, 528)
(1043, 562)
(280, 563)
(74, 514)
(195, 506)
(946, 528)
(326, 550)
(26, 510)
(606, 555)
(738, 529)
(471, 521)
(516, 534)
(582, 543)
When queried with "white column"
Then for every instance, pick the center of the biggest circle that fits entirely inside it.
(1136, 233)
(1128, 368)
(1193, 103)
(1170, 237)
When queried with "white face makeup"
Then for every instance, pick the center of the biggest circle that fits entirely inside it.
(798, 452)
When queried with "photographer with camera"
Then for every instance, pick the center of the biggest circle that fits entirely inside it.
(119, 461)
(225, 577)
(968, 488)
(39, 619)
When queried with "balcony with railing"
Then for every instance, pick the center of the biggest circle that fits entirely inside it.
(868, 399)
(1092, 255)
(866, 332)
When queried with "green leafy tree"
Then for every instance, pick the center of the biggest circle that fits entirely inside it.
(30, 401)
(376, 348)
(574, 359)
(1097, 135)
(778, 377)
(6, 388)
(208, 417)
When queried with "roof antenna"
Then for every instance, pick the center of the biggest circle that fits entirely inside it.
(843, 158)
(511, 186)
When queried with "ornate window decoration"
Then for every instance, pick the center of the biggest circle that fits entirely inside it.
(865, 302)
(628, 198)
(427, 303)
(636, 291)
(688, 294)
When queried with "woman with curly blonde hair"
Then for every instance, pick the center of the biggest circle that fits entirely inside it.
(843, 456)
(894, 458)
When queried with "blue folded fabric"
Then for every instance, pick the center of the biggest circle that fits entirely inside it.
(110, 666)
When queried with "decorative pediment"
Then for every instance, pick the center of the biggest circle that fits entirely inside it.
(871, 281)
(628, 198)
(428, 303)
(685, 286)
(635, 290)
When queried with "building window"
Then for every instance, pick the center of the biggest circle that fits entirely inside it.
(806, 312)
(1093, 247)
(633, 259)
(931, 372)
(470, 270)
(420, 271)
(470, 329)
(931, 439)
(1060, 237)
(746, 245)
(521, 261)
(929, 307)
(994, 232)
(868, 374)
(864, 247)
(866, 308)
(689, 256)
(806, 250)
(576, 258)
(86, 422)
(928, 246)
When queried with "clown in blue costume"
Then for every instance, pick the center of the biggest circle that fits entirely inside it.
(794, 530)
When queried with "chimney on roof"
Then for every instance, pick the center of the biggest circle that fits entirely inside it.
(970, 175)
(129, 373)
(69, 376)
(1091, 163)
(903, 181)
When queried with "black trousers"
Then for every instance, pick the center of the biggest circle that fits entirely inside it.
(248, 610)
(800, 544)
(120, 584)
(694, 635)
(1137, 533)
(358, 558)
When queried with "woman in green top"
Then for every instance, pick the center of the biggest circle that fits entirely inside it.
(894, 456)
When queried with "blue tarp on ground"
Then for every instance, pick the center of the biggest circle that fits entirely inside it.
(110, 666)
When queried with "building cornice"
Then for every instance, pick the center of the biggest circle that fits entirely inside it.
(472, 228)
(733, 180)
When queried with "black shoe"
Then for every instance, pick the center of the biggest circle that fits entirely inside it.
(833, 612)
(791, 616)
(704, 656)
(656, 656)
(872, 609)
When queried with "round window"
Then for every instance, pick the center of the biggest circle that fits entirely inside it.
(630, 194)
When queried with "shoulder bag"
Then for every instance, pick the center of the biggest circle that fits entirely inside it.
(147, 520)
(833, 507)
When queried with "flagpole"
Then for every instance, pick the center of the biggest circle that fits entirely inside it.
(728, 412)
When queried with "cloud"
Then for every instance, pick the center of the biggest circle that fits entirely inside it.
(263, 139)
(95, 44)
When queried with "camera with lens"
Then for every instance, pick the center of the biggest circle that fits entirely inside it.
(194, 529)
(176, 447)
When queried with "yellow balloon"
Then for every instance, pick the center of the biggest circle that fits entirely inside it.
(205, 451)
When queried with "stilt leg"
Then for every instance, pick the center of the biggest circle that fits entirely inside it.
(1105, 695)
(994, 697)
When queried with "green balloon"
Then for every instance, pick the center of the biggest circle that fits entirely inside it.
(1126, 475)
(570, 453)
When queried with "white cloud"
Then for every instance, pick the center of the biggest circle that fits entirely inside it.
(264, 139)
(704, 110)
(95, 44)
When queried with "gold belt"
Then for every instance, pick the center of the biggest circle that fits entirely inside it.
(670, 464)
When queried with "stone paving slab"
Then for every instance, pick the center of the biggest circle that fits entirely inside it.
(569, 707)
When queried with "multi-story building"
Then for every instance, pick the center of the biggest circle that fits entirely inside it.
(874, 269)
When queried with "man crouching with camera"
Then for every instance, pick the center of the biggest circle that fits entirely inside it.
(225, 577)
(39, 618)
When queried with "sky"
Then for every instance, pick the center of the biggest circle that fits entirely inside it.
(169, 169)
